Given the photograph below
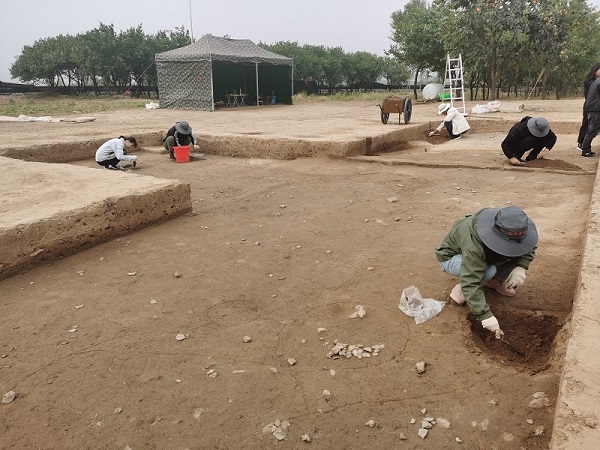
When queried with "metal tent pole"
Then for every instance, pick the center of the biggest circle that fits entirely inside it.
(191, 23)
(257, 97)
(212, 87)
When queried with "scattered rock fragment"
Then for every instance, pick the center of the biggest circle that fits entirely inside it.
(420, 367)
(372, 423)
(292, 361)
(306, 437)
(177, 275)
(423, 411)
(539, 401)
(392, 199)
(443, 422)
(457, 439)
(529, 421)
(197, 413)
(402, 437)
(79, 306)
(131, 274)
(359, 351)
(321, 330)
(590, 423)
(277, 429)
(9, 397)
(180, 337)
(413, 421)
(422, 433)
(117, 410)
(247, 339)
(359, 311)
(326, 395)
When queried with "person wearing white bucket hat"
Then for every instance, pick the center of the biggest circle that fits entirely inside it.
(530, 134)
(455, 123)
(491, 248)
(178, 135)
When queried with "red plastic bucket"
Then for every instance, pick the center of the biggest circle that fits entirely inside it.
(182, 153)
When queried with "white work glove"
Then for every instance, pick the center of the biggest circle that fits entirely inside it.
(516, 278)
(431, 133)
(491, 324)
(196, 146)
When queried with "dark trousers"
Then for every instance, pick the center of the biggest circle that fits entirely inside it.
(524, 145)
(592, 132)
(109, 162)
(503, 270)
(583, 129)
(448, 126)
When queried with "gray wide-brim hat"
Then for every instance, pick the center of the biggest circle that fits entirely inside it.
(507, 231)
(183, 127)
(538, 126)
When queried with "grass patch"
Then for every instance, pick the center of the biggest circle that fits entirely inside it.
(43, 105)
(349, 97)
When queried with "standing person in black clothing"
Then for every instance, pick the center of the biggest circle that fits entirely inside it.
(592, 105)
(587, 82)
(531, 134)
(179, 134)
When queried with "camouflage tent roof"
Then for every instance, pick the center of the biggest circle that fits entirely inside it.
(213, 48)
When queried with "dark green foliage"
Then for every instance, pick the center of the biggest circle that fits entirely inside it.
(99, 57)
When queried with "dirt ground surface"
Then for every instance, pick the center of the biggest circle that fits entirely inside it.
(213, 330)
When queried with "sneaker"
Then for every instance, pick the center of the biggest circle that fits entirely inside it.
(111, 167)
(457, 137)
(457, 295)
(498, 286)
(579, 147)
(172, 156)
(588, 154)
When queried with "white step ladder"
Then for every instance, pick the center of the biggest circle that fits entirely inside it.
(453, 83)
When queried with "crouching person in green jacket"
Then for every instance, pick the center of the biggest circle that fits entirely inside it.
(491, 248)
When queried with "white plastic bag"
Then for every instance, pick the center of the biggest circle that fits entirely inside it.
(422, 309)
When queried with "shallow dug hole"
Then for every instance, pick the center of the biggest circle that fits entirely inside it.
(531, 334)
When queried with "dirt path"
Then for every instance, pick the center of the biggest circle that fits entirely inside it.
(277, 250)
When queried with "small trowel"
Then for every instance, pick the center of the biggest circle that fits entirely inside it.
(513, 348)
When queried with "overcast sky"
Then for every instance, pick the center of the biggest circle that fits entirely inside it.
(354, 25)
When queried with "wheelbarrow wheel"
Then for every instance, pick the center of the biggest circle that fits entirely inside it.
(384, 117)
(407, 110)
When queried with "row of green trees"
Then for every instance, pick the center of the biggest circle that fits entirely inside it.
(507, 46)
(100, 57)
(103, 57)
(331, 68)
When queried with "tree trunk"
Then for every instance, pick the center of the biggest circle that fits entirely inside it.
(415, 83)
(543, 86)
(493, 68)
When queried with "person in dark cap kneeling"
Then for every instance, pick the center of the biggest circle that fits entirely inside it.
(178, 135)
(491, 248)
(531, 134)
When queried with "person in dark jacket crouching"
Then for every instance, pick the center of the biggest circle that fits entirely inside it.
(178, 135)
(531, 134)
